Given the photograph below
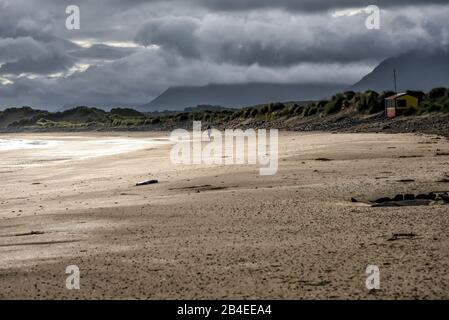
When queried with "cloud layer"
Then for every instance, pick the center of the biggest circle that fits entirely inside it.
(128, 52)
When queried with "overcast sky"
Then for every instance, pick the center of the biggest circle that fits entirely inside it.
(128, 52)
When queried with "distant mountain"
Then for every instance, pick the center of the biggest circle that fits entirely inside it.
(416, 70)
(238, 95)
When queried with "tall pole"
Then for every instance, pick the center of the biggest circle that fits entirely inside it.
(395, 82)
(396, 92)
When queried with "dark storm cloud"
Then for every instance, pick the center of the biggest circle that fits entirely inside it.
(27, 55)
(239, 5)
(176, 33)
(308, 5)
(30, 42)
(27, 44)
(49, 65)
(284, 40)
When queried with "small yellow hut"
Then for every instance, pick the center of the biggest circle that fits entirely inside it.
(395, 105)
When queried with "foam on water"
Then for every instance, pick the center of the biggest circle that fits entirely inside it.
(46, 152)
(15, 144)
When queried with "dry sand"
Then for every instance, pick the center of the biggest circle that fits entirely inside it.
(225, 231)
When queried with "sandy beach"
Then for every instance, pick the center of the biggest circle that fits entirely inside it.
(222, 232)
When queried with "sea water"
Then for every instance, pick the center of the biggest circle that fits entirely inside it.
(27, 152)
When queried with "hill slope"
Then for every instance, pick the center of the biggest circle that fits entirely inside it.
(416, 70)
(20, 115)
(238, 95)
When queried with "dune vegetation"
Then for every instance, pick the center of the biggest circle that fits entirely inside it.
(87, 118)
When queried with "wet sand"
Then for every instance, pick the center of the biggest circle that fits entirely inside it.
(207, 232)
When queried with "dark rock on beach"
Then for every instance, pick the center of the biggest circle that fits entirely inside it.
(382, 200)
(146, 183)
(409, 197)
